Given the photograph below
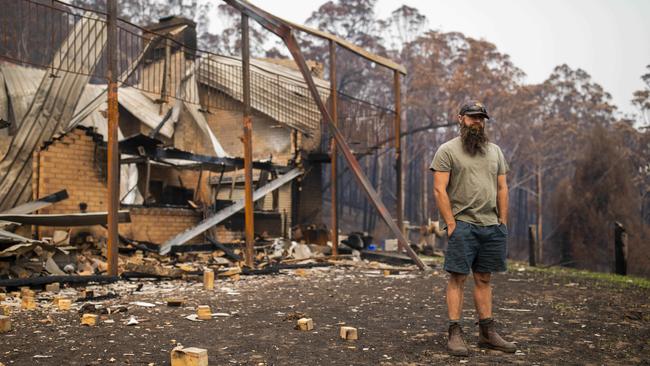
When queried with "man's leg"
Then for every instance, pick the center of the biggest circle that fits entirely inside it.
(491, 258)
(455, 343)
(459, 256)
(483, 294)
(455, 288)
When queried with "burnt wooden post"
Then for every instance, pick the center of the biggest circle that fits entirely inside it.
(333, 152)
(398, 150)
(147, 179)
(532, 245)
(620, 249)
(113, 152)
(248, 148)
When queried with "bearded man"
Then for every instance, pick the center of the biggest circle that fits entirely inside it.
(472, 195)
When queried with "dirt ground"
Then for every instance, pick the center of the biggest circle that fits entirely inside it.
(554, 318)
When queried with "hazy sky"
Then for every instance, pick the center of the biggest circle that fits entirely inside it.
(610, 39)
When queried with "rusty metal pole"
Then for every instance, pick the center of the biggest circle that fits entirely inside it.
(113, 153)
(248, 148)
(398, 151)
(333, 154)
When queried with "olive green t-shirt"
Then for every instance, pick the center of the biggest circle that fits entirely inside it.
(472, 185)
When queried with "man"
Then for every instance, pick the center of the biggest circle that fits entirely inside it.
(472, 196)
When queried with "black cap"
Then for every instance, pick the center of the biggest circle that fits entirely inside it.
(474, 108)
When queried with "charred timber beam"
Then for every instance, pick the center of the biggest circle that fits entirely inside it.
(74, 219)
(38, 204)
(41, 281)
(156, 153)
(228, 252)
(398, 151)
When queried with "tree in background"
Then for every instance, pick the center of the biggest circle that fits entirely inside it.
(599, 193)
(642, 100)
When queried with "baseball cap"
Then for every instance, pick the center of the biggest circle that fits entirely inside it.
(474, 108)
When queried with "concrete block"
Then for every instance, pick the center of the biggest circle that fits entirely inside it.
(28, 303)
(89, 319)
(26, 292)
(208, 279)
(305, 324)
(5, 324)
(191, 356)
(390, 245)
(203, 312)
(349, 333)
(64, 304)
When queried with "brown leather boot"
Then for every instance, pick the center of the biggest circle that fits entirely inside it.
(455, 344)
(488, 337)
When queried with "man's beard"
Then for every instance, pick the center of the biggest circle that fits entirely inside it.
(474, 139)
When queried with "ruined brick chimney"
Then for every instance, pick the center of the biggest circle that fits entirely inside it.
(179, 29)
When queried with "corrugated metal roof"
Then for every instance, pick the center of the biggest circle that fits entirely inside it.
(51, 108)
(144, 109)
(22, 83)
(277, 91)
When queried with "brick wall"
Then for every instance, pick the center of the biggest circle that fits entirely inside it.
(188, 136)
(157, 225)
(70, 163)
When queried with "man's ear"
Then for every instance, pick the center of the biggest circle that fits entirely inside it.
(460, 119)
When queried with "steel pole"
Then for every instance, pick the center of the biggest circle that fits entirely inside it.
(333, 153)
(113, 153)
(248, 148)
(398, 152)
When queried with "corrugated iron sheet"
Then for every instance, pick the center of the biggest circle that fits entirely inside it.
(22, 83)
(51, 108)
(277, 91)
(144, 109)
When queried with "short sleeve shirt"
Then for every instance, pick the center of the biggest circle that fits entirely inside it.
(472, 187)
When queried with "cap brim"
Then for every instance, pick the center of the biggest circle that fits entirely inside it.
(477, 114)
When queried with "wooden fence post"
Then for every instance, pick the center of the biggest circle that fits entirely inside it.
(532, 245)
(620, 249)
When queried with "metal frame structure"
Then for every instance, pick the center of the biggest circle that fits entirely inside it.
(284, 30)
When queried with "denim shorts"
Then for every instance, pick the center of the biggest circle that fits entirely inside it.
(479, 248)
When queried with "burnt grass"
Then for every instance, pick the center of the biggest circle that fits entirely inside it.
(555, 318)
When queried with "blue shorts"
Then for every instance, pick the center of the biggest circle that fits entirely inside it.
(479, 248)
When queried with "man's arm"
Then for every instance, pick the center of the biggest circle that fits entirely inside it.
(440, 182)
(502, 199)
